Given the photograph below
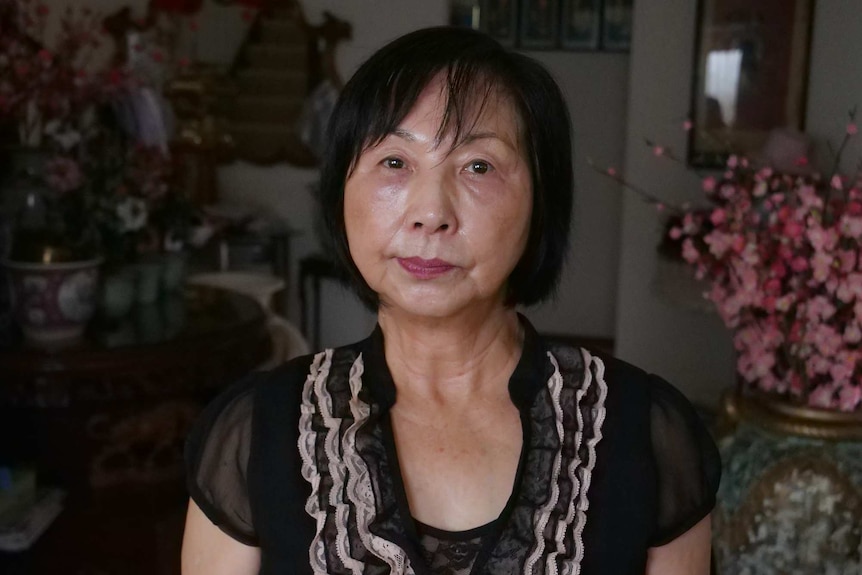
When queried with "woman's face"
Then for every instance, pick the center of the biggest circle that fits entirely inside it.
(436, 231)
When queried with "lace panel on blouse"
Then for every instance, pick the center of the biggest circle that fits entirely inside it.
(451, 553)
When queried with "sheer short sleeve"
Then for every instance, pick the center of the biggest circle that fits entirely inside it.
(687, 462)
(217, 454)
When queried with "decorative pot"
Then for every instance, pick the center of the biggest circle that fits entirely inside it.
(52, 302)
(117, 293)
(174, 266)
(148, 280)
(790, 499)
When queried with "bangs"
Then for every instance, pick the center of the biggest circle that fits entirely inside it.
(465, 88)
(467, 84)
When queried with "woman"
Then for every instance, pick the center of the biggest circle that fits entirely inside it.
(454, 439)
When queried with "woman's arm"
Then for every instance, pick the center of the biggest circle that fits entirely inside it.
(688, 554)
(207, 550)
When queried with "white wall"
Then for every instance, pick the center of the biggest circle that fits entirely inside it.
(692, 349)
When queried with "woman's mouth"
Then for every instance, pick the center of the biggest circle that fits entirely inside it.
(425, 269)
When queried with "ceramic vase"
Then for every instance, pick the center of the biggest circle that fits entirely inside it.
(52, 302)
(790, 500)
(117, 293)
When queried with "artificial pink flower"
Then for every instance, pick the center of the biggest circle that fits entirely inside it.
(821, 265)
(783, 303)
(852, 333)
(822, 239)
(851, 227)
(847, 259)
(658, 151)
(773, 286)
(836, 182)
(852, 129)
(799, 264)
(709, 184)
(689, 252)
(732, 161)
(719, 242)
(822, 396)
(64, 174)
(849, 397)
(718, 216)
(793, 229)
(778, 269)
(687, 125)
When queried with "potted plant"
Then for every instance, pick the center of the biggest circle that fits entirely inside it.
(779, 253)
(52, 105)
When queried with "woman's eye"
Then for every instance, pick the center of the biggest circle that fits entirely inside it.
(479, 167)
(394, 163)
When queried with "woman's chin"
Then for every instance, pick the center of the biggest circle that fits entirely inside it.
(437, 303)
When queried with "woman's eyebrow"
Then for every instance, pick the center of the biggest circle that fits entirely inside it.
(468, 139)
(474, 136)
(409, 136)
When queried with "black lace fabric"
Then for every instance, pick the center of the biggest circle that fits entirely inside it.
(448, 553)
(221, 444)
(688, 466)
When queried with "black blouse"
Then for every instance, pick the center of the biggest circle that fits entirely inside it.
(301, 462)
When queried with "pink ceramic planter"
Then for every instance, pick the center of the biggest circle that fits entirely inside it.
(53, 302)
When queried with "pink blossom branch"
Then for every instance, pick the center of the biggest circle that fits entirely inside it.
(644, 194)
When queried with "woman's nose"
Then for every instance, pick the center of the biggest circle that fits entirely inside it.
(431, 206)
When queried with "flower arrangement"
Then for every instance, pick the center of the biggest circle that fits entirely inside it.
(108, 191)
(782, 257)
(136, 210)
(49, 93)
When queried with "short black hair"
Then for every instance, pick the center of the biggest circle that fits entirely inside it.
(384, 90)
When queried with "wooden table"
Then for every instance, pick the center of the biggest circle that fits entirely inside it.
(107, 418)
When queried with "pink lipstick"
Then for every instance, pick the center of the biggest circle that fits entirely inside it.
(425, 269)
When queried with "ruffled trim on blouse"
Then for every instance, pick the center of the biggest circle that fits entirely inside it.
(352, 499)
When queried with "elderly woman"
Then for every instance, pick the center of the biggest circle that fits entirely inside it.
(454, 439)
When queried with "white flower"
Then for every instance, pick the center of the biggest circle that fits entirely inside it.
(132, 213)
(67, 138)
(173, 244)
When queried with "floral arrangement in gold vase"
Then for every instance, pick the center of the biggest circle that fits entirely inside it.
(779, 253)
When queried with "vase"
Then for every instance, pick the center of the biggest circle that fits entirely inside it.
(52, 302)
(148, 280)
(790, 499)
(117, 293)
(174, 266)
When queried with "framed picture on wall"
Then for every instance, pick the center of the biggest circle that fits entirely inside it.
(465, 13)
(539, 23)
(499, 19)
(750, 76)
(617, 17)
(580, 24)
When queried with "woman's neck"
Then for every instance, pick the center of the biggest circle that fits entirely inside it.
(451, 360)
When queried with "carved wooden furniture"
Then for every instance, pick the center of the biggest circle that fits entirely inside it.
(115, 409)
(107, 420)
